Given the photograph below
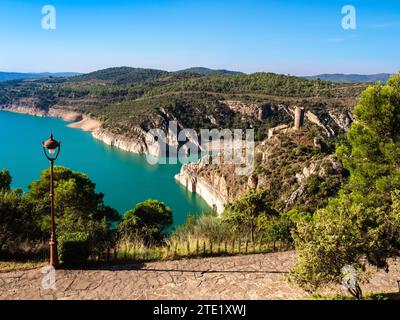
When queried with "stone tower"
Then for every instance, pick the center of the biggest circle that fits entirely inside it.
(298, 118)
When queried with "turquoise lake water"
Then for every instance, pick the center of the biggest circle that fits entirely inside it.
(123, 177)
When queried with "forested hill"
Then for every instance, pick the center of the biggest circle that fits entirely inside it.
(208, 72)
(121, 75)
(126, 98)
(7, 76)
(154, 82)
(353, 78)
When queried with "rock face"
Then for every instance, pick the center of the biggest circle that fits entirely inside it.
(25, 110)
(282, 168)
(314, 119)
(342, 120)
(66, 115)
(283, 128)
(214, 191)
(142, 144)
(321, 168)
(252, 110)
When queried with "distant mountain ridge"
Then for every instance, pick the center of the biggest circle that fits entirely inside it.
(206, 71)
(122, 75)
(7, 76)
(352, 78)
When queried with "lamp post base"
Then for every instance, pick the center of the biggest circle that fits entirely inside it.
(53, 254)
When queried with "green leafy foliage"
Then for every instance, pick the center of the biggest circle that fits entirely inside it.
(122, 75)
(78, 208)
(16, 221)
(5, 180)
(248, 212)
(149, 220)
(73, 248)
(363, 221)
(76, 202)
(208, 227)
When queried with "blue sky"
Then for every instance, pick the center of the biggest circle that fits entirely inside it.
(299, 37)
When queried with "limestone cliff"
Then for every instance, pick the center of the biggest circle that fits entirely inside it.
(295, 171)
(64, 114)
(142, 143)
(211, 190)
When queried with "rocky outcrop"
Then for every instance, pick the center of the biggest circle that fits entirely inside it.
(321, 168)
(213, 187)
(143, 143)
(64, 114)
(202, 188)
(283, 128)
(281, 167)
(314, 119)
(25, 110)
(342, 119)
(252, 110)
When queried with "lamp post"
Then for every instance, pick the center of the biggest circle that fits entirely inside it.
(51, 149)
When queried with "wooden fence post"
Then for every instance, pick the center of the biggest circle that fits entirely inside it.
(168, 249)
(176, 249)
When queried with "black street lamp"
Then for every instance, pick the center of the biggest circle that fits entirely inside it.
(51, 149)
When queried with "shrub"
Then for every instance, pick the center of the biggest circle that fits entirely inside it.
(149, 220)
(205, 227)
(73, 248)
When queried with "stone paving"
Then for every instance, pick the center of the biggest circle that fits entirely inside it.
(243, 277)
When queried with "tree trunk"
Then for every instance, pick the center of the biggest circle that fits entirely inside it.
(252, 230)
(356, 292)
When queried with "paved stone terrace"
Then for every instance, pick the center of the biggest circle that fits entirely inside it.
(243, 277)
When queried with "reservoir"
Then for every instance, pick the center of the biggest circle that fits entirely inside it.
(124, 178)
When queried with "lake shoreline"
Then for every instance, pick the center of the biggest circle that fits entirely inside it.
(124, 178)
(94, 126)
(137, 146)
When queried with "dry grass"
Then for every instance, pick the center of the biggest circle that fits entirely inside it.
(194, 248)
(8, 266)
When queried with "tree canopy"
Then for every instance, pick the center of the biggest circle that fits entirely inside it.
(149, 220)
(364, 220)
(76, 201)
(249, 211)
(5, 180)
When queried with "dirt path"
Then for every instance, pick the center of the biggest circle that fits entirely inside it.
(243, 277)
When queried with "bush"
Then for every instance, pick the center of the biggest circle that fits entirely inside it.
(149, 220)
(73, 248)
(205, 227)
